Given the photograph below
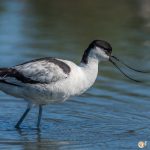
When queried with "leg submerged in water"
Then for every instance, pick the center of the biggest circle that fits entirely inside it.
(39, 116)
(23, 116)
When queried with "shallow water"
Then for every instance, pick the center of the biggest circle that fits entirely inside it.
(115, 112)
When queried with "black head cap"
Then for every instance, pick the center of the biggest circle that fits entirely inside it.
(96, 43)
(102, 44)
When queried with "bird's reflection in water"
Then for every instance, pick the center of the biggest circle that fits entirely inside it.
(33, 140)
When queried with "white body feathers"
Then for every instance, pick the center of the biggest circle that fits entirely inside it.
(55, 86)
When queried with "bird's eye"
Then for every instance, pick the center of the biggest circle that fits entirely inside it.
(107, 52)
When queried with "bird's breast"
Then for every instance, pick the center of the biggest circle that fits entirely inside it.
(78, 81)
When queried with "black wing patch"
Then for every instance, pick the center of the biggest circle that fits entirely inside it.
(10, 72)
(21, 76)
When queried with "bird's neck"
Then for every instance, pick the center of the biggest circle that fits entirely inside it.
(91, 64)
(90, 70)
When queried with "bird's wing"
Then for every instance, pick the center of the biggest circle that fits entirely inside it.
(44, 71)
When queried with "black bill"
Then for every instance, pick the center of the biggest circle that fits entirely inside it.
(131, 68)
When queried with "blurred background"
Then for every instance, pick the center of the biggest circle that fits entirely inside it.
(115, 112)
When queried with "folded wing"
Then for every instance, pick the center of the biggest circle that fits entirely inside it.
(43, 71)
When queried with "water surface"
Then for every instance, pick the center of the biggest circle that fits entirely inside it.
(115, 112)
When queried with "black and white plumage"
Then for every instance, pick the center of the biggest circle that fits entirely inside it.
(47, 80)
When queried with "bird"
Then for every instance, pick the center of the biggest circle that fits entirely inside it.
(50, 80)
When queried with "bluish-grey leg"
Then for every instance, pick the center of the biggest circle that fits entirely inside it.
(23, 117)
(39, 116)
